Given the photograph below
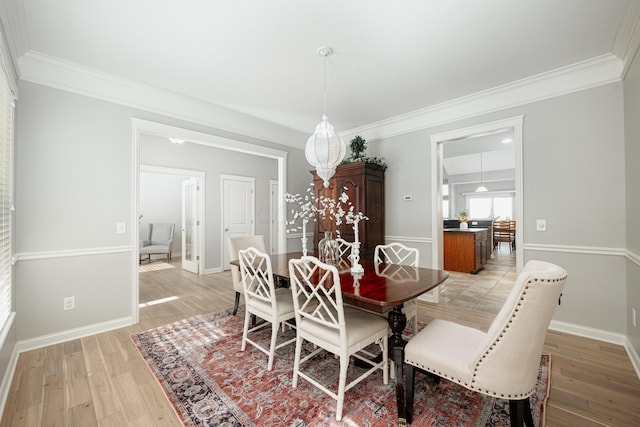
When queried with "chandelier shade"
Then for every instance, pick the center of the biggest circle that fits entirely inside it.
(325, 149)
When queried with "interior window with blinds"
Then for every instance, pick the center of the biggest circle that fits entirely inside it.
(6, 191)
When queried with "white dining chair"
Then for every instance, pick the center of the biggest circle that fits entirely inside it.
(504, 361)
(235, 244)
(344, 254)
(344, 248)
(323, 319)
(399, 254)
(263, 300)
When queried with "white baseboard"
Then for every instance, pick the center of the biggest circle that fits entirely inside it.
(600, 335)
(587, 332)
(71, 334)
(213, 270)
(431, 296)
(633, 355)
(46, 340)
(5, 386)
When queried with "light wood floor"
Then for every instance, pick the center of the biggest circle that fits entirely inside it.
(101, 380)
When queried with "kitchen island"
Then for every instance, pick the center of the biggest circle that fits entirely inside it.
(466, 250)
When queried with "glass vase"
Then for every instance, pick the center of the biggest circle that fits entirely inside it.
(329, 249)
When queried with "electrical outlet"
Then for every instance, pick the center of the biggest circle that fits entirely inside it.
(541, 225)
(69, 303)
(121, 227)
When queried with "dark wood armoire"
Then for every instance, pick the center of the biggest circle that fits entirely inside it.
(364, 184)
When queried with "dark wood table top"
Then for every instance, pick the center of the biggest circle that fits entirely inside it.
(380, 288)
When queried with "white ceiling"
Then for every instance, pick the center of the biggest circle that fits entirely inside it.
(494, 152)
(260, 57)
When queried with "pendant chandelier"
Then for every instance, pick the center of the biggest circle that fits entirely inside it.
(325, 149)
(481, 188)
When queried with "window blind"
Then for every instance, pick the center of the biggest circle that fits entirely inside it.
(7, 108)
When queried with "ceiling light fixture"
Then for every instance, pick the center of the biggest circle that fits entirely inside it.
(325, 149)
(481, 188)
(506, 140)
(176, 140)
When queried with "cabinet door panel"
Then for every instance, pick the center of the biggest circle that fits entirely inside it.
(364, 184)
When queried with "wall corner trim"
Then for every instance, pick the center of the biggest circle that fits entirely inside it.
(633, 355)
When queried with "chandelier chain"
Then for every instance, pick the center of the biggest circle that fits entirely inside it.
(324, 85)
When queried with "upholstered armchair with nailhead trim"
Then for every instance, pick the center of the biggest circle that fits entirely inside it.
(504, 361)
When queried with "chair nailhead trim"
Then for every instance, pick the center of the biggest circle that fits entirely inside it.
(471, 385)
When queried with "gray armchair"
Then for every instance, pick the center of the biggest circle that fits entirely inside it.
(159, 241)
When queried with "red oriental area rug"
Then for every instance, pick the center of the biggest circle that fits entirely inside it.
(211, 382)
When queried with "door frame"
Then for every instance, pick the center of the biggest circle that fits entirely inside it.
(199, 224)
(141, 127)
(273, 219)
(200, 177)
(437, 253)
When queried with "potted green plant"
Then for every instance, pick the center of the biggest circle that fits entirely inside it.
(358, 146)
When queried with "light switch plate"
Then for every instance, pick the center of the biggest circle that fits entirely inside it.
(121, 228)
(541, 225)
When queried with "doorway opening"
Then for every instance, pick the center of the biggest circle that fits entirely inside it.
(454, 154)
(143, 128)
(175, 196)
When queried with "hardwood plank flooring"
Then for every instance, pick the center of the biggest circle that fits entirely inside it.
(102, 381)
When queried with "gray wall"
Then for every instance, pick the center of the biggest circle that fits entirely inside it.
(632, 138)
(74, 157)
(573, 175)
(73, 184)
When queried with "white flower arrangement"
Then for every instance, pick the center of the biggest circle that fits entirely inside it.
(306, 208)
(306, 211)
(333, 209)
(309, 208)
(355, 218)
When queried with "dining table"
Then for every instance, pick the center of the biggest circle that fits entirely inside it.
(382, 288)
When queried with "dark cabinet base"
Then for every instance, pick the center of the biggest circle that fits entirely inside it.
(466, 251)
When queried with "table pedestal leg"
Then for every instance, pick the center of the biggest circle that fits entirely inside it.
(397, 323)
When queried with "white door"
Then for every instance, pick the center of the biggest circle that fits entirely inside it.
(273, 218)
(190, 224)
(238, 210)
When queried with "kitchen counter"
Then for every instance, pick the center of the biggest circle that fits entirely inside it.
(466, 250)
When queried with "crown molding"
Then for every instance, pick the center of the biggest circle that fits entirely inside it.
(14, 37)
(49, 71)
(627, 39)
(45, 70)
(594, 72)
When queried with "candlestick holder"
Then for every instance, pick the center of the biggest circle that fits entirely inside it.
(356, 267)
